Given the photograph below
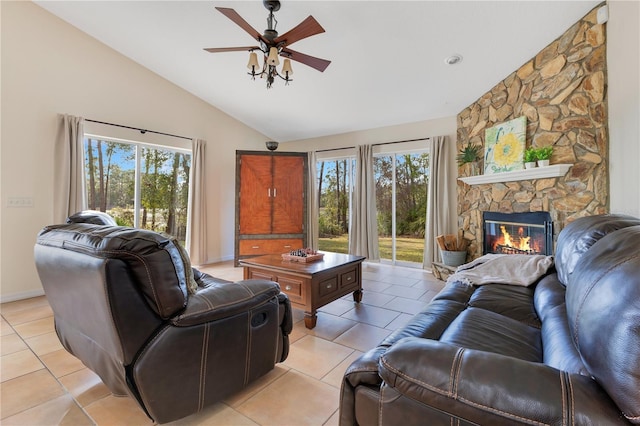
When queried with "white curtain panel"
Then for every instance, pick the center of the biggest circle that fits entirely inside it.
(197, 236)
(363, 232)
(313, 202)
(438, 199)
(68, 170)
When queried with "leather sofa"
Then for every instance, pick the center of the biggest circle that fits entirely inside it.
(565, 350)
(123, 305)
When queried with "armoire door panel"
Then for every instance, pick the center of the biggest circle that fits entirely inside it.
(288, 202)
(256, 194)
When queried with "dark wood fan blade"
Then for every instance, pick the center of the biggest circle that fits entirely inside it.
(313, 62)
(239, 20)
(304, 29)
(230, 49)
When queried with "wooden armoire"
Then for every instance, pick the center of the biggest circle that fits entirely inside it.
(271, 203)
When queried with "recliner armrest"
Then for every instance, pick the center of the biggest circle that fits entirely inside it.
(221, 299)
(489, 388)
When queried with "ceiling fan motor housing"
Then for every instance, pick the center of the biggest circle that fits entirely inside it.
(270, 35)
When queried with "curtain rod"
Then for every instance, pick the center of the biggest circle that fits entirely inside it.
(374, 144)
(143, 131)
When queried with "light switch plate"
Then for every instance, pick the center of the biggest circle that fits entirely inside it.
(20, 202)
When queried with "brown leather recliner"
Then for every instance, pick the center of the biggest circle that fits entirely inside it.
(122, 305)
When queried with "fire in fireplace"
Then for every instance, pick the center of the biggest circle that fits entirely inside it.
(518, 233)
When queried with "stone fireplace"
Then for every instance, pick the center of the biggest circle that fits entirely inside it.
(562, 92)
(517, 233)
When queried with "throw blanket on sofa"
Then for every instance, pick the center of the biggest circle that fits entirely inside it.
(514, 269)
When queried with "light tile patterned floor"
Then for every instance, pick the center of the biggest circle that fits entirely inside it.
(42, 384)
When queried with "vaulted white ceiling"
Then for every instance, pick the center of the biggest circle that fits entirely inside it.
(387, 56)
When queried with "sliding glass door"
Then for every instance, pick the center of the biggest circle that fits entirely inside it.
(401, 201)
(335, 181)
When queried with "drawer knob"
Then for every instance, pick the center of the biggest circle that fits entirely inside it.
(348, 278)
(329, 286)
(255, 247)
(288, 287)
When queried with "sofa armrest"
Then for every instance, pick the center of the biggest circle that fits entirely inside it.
(218, 299)
(488, 388)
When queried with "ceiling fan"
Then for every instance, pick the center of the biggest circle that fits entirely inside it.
(272, 45)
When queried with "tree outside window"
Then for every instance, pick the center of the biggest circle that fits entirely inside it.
(139, 185)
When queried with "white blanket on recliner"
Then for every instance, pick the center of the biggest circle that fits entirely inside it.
(514, 269)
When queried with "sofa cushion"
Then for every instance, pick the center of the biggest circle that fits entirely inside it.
(577, 237)
(514, 302)
(154, 260)
(603, 306)
(491, 332)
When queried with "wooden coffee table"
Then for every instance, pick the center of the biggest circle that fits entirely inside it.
(310, 285)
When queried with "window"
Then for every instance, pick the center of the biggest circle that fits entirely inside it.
(140, 185)
(335, 180)
(401, 202)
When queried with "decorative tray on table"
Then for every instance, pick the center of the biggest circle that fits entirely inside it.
(302, 255)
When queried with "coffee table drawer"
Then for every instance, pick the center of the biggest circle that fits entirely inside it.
(261, 275)
(349, 278)
(328, 286)
(293, 288)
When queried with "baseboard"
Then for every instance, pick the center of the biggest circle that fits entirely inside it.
(218, 260)
(21, 296)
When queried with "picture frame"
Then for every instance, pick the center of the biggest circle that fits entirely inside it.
(504, 146)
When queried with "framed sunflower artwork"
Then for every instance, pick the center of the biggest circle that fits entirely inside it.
(504, 146)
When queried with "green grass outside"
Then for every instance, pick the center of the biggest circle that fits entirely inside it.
(407, 249)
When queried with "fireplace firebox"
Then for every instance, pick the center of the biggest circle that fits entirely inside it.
(518, 233)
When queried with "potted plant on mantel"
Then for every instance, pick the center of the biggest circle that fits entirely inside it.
(543, 155)
(530, 158)
(470, 154)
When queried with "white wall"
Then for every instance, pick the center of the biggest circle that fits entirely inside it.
(623, 61)
(49, 67)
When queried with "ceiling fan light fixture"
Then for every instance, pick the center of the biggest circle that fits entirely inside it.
(273, 57)
(286, 67)
(253, 64)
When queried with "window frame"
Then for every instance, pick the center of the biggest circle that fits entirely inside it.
(387, 150)
(138, 145)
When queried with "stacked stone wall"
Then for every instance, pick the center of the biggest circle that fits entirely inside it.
(562, 92)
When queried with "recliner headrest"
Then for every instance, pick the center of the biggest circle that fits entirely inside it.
(92, 216)
(578, 237)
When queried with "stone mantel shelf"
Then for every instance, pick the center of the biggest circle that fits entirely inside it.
(553, 170)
